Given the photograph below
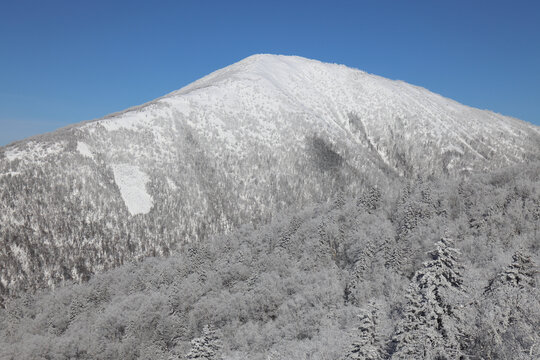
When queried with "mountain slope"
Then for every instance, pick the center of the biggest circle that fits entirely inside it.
(239, 145)
(300, 287)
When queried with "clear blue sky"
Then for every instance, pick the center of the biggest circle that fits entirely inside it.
(63, 62)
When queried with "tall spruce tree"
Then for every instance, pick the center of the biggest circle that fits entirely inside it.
(432, 324)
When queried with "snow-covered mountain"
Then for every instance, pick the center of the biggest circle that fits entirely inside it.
(237, 146)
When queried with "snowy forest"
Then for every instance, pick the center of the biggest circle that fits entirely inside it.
(421, 268)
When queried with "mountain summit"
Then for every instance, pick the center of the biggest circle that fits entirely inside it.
(237, 146)
(272, 100)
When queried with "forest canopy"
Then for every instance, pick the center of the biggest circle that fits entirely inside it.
(427, 268)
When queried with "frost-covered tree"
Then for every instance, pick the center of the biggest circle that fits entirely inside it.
(371, 199)
(366, 345)
(206, 347)
(519, 274)
(509, 313)
(431, 325)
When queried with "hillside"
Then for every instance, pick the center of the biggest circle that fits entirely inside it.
(265, 135)
(430, 269)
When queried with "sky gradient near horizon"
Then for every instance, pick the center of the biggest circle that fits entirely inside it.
(63, 62)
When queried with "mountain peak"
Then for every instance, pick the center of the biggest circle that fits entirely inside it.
(269, 62)
(279, 70)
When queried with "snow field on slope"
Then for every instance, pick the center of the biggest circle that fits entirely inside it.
(132, 184)
(33, 151)
(84, 149)
(272, 100)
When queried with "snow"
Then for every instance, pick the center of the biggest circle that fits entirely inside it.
(14, 154)
(84, 149)
(132, 184)
(274, 101)
(33, 151)
(273, 85)
(128, 121)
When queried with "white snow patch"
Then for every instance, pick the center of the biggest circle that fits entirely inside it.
(180, 105)
(129, 121)
(33, 151)
(14, 154)
(132, 184)
(84, 149)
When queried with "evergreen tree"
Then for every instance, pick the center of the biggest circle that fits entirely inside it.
(431, 327)
(206, 347)
(519, 274)
(367, 344)
(509, 314)
(370, 200)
